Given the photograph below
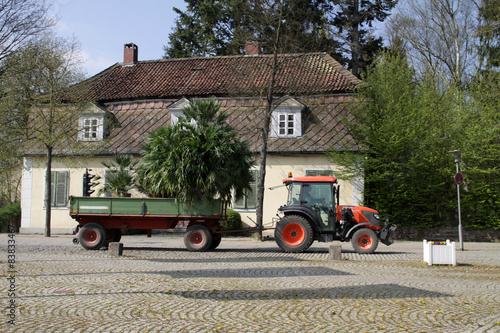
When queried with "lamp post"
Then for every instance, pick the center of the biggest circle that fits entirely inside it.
(458, 180)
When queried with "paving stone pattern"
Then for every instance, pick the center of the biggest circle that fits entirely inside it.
(246, 286)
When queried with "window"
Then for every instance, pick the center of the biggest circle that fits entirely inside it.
(92, 124)
(319, 172)
(59, 188)
(286, 124)
(90, 129)
(249, 200)
(286, 120)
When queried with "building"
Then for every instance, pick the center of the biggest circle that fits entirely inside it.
(133, 97)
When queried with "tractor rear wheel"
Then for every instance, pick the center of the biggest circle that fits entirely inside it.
(294, 234)
(92, 236)
(364, 241)
(198, 238)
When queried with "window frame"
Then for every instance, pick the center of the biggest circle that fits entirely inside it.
(54, 204)
(244, 199)
(85, 129)
(288, 108)
(100, 116)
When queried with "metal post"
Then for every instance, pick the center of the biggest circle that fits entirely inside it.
(460, 239)
(456, 155)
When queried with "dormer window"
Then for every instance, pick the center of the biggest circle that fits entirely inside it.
(286, 119)
(92, 124)
(176, 110)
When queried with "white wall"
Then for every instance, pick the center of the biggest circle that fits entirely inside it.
(278, 167)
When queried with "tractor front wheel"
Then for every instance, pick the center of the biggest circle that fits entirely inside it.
(293, 234)
(364, 241)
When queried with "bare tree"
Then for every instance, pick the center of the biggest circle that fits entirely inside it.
(36, 78)
(438, 36)
(20, 20)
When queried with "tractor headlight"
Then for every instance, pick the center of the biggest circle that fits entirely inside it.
(375, 215)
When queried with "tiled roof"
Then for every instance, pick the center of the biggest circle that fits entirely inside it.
(322, 124)
(139, 97)
(241, 75)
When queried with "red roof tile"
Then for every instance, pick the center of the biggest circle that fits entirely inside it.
(298, 74)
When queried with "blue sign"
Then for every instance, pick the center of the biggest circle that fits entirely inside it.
(459, 178)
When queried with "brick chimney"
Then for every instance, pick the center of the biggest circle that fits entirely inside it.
(252, 48)
(130, 53)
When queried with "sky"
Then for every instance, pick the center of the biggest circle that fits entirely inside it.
(103, 27)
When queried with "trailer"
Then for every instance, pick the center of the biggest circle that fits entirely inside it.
(102, 220)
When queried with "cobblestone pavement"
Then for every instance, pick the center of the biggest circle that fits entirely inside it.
(245, 286)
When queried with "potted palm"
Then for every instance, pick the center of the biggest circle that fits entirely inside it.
(118, 178)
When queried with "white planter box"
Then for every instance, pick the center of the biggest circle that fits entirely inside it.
(436, 253)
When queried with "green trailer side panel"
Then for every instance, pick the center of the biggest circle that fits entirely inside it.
(204, 208)
(91, 205)
(160, 207)
(142, 206)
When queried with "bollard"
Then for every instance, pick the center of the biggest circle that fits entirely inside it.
(335, 252)
(115, 249)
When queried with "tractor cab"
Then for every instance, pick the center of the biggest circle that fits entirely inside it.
(316, 196)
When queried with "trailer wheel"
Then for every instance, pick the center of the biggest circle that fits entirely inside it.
(198, 238)
(294, 234)
(216, 239)
(114, 235)
(92, 236)
(364, 241)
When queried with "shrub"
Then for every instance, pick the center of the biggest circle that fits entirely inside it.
(232, 222)
(10, 214)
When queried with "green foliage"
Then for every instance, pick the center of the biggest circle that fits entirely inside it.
(223, 27)
(10, 214)
(489, 33)
(405, 130)
(351, 20)
(481, 167)
(196, 160)
(119, 178)
(232, 222)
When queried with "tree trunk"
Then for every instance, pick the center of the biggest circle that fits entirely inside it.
(265, 133)
(355, 49)
(48, 191)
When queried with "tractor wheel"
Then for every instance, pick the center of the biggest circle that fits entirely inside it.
(216, 239)
(198, 238)
(294, 234)
(92, 236)
(364, 241)
(113, 235)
